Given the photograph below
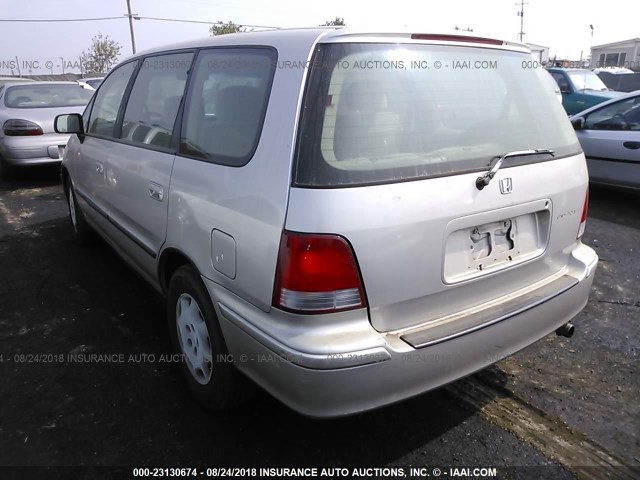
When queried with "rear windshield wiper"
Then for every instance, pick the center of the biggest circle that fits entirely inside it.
(484, 180)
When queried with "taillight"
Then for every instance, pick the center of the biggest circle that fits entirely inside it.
(583, 218)
(316, 274)
(19, 128)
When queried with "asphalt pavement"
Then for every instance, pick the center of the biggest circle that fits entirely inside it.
(87, 377)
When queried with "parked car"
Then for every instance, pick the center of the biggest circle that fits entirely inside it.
(27, 112)
(610, 137)
(93, 81)
(612, 70)
(620, 80)
(85, 85)
(5, 80)
(580, 89)
(347, 231)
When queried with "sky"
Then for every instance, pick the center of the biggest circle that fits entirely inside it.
(561, 25)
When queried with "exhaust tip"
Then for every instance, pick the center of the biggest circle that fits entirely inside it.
(566, 330)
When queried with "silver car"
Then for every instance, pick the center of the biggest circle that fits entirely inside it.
(27, 112)
(93, 81)
(5, 80)
(610, 137)
(347, 218)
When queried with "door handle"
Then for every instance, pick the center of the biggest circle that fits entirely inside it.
(631, 145)
(99, 168)
(156, 191)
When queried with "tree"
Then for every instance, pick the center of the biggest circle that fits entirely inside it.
(101, 56)
(221, 28)
(338, 22)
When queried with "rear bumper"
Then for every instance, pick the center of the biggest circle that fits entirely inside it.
(326, 370)
(23, 151)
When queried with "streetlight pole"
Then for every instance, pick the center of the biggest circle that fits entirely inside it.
(133, 38)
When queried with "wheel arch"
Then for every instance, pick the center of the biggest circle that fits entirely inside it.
(171, 259)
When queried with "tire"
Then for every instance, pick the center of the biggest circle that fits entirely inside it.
(196, 335)
(82, 231)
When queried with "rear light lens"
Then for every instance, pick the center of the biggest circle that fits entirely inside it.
(583, 218)
(455, 38)
(21, 128)
(316, 274)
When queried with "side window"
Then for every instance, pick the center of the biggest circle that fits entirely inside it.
(561, 81)
(155, 98)
(623, 115)
(107, 101)
(226, 104)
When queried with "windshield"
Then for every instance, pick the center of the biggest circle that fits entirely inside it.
(47, 96)
(586, 80)
(377, 113)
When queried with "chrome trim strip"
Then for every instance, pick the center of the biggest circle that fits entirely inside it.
(429, 336)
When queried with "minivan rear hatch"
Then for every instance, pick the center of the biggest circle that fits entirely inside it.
(393, 138)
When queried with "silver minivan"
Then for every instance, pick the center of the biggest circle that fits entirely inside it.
(347, 218)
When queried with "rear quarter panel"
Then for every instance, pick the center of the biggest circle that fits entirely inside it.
(248, 203)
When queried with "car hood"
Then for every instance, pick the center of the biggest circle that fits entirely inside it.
(603, 93)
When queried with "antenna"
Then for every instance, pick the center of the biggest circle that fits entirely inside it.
(522, 3)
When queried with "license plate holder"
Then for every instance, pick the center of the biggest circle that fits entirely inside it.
(476, 249)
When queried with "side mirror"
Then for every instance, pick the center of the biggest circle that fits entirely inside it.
(578, 123)
(69, 123)
(565, 89)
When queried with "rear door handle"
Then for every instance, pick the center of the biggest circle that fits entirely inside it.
(631, 145)
(156, 191)
(99, 168)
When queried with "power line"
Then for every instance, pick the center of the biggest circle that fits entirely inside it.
(134, 16)
(59, 19)
(203, 22)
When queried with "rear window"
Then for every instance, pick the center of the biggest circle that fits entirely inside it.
(46, 96)
(379, 113)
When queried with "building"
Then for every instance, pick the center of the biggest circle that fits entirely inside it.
(618, 54)
(539, 52)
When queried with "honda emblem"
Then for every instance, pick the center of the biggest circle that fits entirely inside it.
(506, 185)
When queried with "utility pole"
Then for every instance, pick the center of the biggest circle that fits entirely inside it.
(591, 49)
(521, 15)
(133, 38)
